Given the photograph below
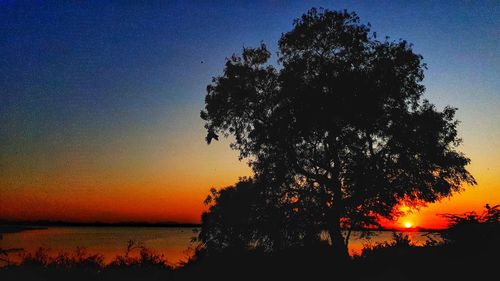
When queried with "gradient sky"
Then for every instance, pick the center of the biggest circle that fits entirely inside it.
(99, 103)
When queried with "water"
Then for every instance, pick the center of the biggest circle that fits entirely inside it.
(173, 242)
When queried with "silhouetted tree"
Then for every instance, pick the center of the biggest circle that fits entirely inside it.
(342, 115)
(474, 230)
(250, 216)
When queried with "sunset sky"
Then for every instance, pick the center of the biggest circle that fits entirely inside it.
(99, 104)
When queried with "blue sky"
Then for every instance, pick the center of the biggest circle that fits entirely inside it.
(121, 84)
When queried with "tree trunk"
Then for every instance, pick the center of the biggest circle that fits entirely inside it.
(334, 230)
(337, 208)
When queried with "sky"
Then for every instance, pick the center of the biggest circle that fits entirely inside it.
(100, 102)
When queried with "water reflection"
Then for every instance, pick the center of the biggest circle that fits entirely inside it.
(173, 243)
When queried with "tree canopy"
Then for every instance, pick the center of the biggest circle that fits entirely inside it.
(340, 121)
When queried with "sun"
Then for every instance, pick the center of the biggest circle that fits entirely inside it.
(408, 224)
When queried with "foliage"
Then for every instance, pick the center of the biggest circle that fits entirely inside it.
(341, 123)
(135, 254)
(81, 265)
(399, 241)
(80, 257)
(146, 256)
(474, 230)
(248, 216)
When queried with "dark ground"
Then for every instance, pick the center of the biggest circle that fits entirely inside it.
(386, 262)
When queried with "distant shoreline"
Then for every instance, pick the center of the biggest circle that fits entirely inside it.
(18, 226)
(5, 229)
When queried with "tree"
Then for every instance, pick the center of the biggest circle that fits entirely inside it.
(474, 230)
(342, 115)
(249, 215)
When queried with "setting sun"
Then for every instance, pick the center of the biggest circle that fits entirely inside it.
(408, 224)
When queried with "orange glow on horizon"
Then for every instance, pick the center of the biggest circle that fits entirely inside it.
(118, 184)
(178, 201)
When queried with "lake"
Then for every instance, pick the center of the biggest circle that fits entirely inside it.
(173, 242)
